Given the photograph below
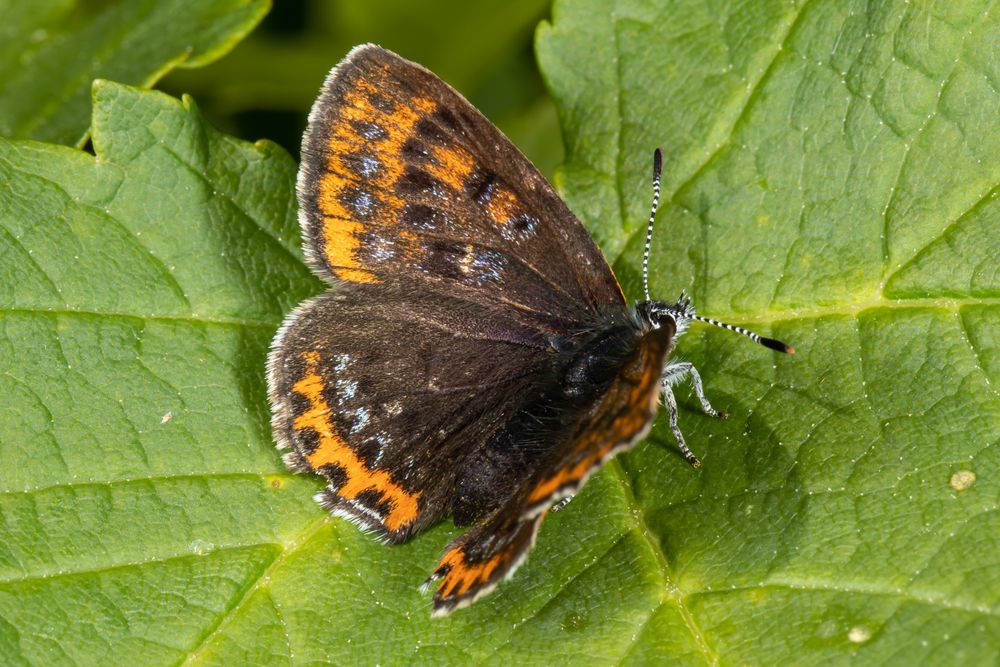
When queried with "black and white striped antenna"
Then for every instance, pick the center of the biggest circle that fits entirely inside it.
(760, 340)
(657, 171)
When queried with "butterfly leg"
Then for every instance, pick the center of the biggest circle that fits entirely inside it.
(561, 504)
(674, 373)
(668, 398)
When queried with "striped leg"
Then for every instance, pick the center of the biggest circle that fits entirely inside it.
(674, 373)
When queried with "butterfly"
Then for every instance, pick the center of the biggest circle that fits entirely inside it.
(475, 356)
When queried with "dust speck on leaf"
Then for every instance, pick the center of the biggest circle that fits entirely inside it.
(962, 480)
(201, 547)
(859, 634)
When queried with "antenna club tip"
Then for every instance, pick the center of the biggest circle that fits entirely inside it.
(657, 163)
(777, 345)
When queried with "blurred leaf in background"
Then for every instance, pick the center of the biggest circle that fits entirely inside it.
(51, 51)
(265, 87)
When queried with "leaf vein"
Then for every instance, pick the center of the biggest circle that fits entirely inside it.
(638, 633)
(666, 572)
(290, 250)
(80, 312)
(816, 585)
(114, 567)
(150, 479)
(752, 91)
(991, 194)
(304, 537)
(886, 223)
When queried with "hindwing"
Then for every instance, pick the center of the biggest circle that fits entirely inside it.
(385, 393)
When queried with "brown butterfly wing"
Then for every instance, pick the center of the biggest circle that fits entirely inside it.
(385, 392)
(490, 551)
(459, 278)
(402, 180)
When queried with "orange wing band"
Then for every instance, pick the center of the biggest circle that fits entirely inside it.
(333, 450)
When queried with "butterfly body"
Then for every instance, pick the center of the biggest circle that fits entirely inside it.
(581, 367)
(474, 357)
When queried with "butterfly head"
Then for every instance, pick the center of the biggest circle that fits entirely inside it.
(652, 314)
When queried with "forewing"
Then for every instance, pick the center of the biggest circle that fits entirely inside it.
(385, 392)
(489, 552)
(403, 180)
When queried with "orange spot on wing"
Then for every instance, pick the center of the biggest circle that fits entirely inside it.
(568, 475)
(342, 228)
(462, 576)
(397, 126)
(340, 231)
(333, 450)
(453, 166)
(503, 206)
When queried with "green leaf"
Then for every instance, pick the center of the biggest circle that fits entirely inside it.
(51, 51)
(831, 179)
(266, 85)
(831, 176)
